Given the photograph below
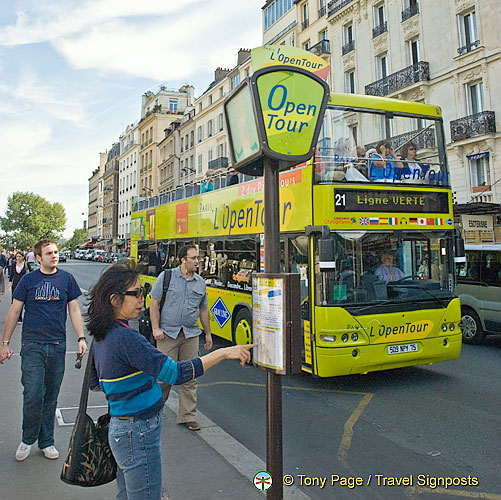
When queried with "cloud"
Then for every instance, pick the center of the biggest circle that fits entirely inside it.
(47, 20)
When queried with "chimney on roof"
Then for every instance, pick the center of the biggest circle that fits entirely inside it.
(243, 54)
(220, 73)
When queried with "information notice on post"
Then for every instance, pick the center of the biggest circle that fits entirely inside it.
(268, 321)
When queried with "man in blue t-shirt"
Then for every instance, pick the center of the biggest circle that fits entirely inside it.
(45, 294)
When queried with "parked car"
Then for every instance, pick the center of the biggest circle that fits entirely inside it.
(99, 255)
(62, 257)
(479, 289)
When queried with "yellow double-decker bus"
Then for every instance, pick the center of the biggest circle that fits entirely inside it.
(367, 224)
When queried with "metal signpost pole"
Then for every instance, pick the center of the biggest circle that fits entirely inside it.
(274, 454)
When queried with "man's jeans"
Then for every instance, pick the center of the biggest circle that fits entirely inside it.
(42, 367)
(135, 444)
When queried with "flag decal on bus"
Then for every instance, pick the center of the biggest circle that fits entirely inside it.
(220, 312)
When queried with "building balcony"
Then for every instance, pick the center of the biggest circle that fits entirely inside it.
(129, 146)
(469, 47)
(221, 162)
(473, 126)
(305, 23)
(335, 5)
(322, 11)
(321, 48)
(418, 72)
(423, 140)
(409, 12)
(379, 30)
(348, 47)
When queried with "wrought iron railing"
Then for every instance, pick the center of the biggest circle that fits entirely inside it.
(221, 162)
(305, 23)
(473, 125)
(418, 72)
(322, 47)
(409, 12)
(379, 30)
(469, 47)
(322, 11)
(336, 5)
(348, 47)
(423, 140)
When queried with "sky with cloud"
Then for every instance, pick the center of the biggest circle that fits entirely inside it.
(72, 73)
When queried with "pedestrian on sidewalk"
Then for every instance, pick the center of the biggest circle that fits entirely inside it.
(176, 329)
(47, 294)
(17, 270)
(127, 368)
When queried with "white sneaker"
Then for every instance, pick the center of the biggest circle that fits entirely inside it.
(50, 452)
(23, 450)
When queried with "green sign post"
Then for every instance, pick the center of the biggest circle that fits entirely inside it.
(273, 120)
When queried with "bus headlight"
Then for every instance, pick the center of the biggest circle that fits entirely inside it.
(344, 338)
(354, 337)
(451, 327)
(328, 338)
(444, 327)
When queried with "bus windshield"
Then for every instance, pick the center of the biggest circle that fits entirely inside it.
(399, 269)
(362, 146)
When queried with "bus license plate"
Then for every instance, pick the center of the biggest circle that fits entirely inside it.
(398, 349)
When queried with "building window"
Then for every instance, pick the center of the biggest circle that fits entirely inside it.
(199, 163)
(380, 25)
(221, 92)
(200, 134)
(479, 170)
(235, 80)
(475, 98)
(307, 45)
(173, 105)
(209, 128)
(468, 32)
(220, 150)
(200, 108)
(414, 51)
(220, 122)
(182, 144)
(349, 82)
(382, 66)
(210, 99)
(305, 15)
(324, 35)
(209, 155)
(348, 33)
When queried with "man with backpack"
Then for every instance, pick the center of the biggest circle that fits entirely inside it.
(175, 327)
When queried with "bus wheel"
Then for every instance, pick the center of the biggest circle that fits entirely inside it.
(471, 327)
(242, 327)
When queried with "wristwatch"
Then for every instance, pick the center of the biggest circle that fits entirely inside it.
(5, 342)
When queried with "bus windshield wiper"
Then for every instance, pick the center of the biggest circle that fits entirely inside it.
(417, 287)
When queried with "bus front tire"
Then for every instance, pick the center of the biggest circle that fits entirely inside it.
(242, 327)
(471, 328)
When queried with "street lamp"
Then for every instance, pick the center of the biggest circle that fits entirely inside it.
(189, 169)
(145, 188)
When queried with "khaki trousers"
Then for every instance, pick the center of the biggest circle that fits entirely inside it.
(180, 349)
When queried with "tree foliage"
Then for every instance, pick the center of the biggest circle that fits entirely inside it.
(29, 218)
(79, 236)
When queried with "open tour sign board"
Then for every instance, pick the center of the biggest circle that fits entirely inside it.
(277, 113)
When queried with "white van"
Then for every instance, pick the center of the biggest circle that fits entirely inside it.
(479, 289)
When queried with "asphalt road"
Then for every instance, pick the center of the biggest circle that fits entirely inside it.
(405, 429)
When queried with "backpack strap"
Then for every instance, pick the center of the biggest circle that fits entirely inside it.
(165, 288)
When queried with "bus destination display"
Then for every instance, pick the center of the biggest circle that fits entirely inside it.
(379, 200)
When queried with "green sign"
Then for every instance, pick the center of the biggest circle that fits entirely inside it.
(291, 103)
(242, 125)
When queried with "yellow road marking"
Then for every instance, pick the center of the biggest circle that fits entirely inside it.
(414, 491)
(345, 444)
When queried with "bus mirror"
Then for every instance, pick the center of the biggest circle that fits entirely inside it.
(459, 254)
(326, 254)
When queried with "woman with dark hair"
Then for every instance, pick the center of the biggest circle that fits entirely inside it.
(17, 270)
(128, 367)
(413, 171)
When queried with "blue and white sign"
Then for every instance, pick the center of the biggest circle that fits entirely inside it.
(220, 312)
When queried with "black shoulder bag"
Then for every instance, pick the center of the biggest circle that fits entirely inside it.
(144, 319)
(90, 461)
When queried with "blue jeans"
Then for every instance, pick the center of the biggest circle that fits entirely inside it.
(42, 367)
(135, 444)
